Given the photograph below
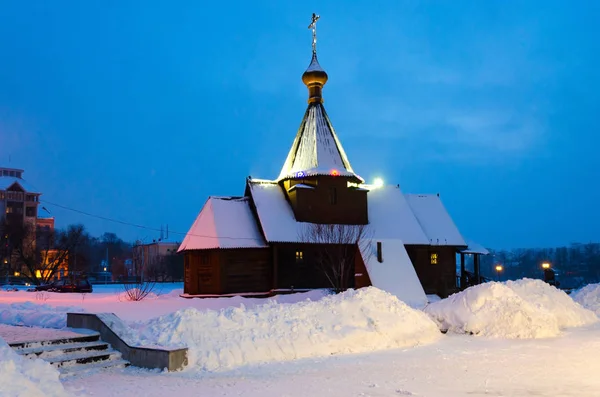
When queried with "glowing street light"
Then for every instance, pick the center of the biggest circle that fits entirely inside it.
(498, 268)
(378, 182)
(546, 265)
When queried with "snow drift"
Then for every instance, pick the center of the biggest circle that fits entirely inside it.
(26, 377)
(36, 315)
(588, 297)
(544, 296)
(354, 321)
(515, 309)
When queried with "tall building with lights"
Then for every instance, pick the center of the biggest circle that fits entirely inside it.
(258, 243)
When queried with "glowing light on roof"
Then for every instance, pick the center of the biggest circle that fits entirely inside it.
(378, 182)
(335, 172)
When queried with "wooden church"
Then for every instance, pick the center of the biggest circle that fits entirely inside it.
(256, 244)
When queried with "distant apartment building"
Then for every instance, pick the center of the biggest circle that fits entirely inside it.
(157, 259)
(19, 204)
(18, 201)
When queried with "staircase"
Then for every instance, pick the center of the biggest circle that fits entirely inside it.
(73, 355)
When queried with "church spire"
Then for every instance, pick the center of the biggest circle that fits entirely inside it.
(314, 77)
(316, 149)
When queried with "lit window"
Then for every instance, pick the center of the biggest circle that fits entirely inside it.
(299, 256)
(434, 258)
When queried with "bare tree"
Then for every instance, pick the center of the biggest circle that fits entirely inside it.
(41, 253)
(139, 283)
(336, 250)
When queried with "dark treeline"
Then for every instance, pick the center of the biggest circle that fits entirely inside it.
(575, 265)
(41, 255)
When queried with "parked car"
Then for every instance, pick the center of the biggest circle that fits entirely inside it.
(66, 285)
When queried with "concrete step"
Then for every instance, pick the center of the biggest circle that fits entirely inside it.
(73, 370)
(60, 341)
(48, 351)
(82, 357)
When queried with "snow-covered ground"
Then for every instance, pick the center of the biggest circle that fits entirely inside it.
(110, 298)
(457, 366)
(588, 297)
(514, 309)
(24, 377)
(359, 343)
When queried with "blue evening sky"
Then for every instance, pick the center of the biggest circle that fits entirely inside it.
(140, 110)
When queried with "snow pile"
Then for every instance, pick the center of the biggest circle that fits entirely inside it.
(36, 315)
(26, 377)
(546, 297)
(492, 310)
(588, 297)
(515, 309)
(354, 321)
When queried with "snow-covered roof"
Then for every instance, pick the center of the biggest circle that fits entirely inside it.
(434, 219)
(396, 273)
(300, 186)
(391, 217)
(275, 214)
(316, 149)
(224, 222)
(8, 181)
(475, 248)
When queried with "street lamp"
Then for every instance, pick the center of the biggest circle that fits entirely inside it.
(549, 275)
(499, 269)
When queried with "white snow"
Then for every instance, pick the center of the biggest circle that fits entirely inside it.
(224, 222)
(22, 308)
(456, 366)
(475, 248)
(520, 309)
(274, 212)
(544, 296)
(492, 310)
(395, 274)
(390, 216)
(434, 219)
(316, 150)
(27, 377)
(32, 314)
(588, 297)
(15, 334)
(351, 322)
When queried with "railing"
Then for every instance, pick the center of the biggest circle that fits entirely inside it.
(18, 196)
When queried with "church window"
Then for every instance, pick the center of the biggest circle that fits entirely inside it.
(434, 258)
(333, 196)
(299, 256)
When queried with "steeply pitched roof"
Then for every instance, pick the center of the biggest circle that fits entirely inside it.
(274, 212)
(316, 149)
(224, 222)
(435, 220)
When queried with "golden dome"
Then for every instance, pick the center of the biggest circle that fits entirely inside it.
(314, 78)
